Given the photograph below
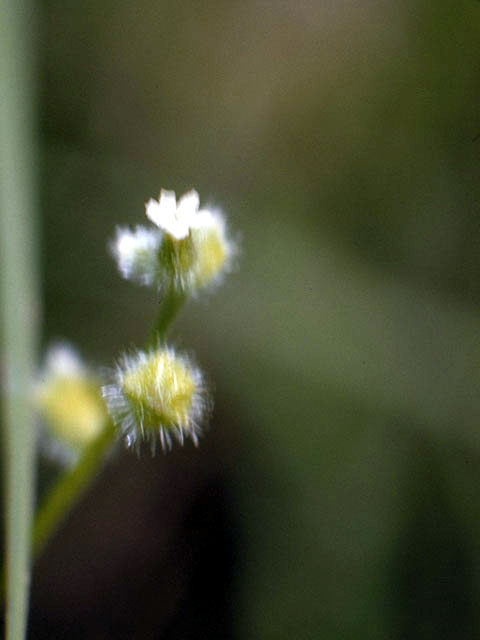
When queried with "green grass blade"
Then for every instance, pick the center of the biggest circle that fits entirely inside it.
(18, 301)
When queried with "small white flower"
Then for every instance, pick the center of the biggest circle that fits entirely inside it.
(174, 218)
(136, 253)
(189, 249)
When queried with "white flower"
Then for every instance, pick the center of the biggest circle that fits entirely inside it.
(188, 250)
(136, 253)
(196, 250)
(156, 395)
(174, 218)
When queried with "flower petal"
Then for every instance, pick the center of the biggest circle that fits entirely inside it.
(188, 206)
(162, 211)
(179, 229)
(203, 219)
(167, 202)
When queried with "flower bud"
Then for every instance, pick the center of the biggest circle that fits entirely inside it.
(69, 399)
(136, 253)
(156, 395)
(212, 249)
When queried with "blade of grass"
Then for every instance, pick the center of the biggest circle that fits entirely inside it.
(19, 301)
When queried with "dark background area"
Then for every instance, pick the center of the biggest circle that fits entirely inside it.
(335, 494)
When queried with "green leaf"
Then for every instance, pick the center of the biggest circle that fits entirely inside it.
(19, 303)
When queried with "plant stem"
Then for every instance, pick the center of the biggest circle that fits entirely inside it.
(171, 305)
(73, 483)
(70, 488)
(67, 491)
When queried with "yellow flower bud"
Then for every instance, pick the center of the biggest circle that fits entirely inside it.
(212, 249)
(69, 399)
(156, 395)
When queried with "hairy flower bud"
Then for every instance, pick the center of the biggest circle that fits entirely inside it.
(213, 251)
(136, 253)
(156, 395)
(69, 399)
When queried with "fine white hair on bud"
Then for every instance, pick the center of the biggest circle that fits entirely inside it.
(156, 396)
(68, 397)
(136, 253)
(214, 250)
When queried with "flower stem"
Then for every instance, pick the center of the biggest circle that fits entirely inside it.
(171, 305)
(73, 483)
(70, 488)
(64, 495)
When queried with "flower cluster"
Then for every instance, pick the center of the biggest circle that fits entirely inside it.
(156, 395)
(187, 249)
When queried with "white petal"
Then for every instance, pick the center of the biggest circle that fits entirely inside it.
(152, 210)
(162, 210)
(177, 228)
(188, 206)
(204, 218)
(167, 202)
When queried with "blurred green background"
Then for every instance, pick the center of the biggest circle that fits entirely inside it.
(336, 492)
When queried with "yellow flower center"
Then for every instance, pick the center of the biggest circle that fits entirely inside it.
(74, 409)
(161, 391)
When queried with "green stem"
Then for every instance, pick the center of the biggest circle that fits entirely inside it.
(67, 491)
(70, 488)
(171, 305)
(73, 483)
